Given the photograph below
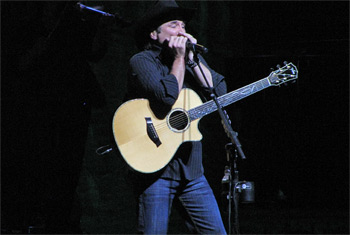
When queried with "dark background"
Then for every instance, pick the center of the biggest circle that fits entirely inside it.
(295, 137)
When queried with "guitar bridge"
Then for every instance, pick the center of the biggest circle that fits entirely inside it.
(151, 132)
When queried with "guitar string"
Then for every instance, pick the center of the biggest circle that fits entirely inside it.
(176, 120)
(207, 107)
(179, 120)
(203, 110)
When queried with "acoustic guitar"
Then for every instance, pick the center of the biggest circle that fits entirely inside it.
(148, 144)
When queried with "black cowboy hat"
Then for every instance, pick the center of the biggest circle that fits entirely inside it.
(160, 12)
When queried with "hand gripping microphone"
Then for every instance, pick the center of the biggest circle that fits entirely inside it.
(196, 47)
(190, 46)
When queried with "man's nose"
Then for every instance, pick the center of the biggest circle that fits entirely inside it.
(181, 30)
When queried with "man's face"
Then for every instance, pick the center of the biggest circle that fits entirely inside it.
(168, 29)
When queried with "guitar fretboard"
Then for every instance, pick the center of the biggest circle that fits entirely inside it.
(229, 98)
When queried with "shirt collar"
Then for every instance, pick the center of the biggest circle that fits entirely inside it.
(156, 50)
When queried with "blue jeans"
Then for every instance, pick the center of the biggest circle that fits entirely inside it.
(196, 197)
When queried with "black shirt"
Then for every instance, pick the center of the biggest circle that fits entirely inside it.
(149, 77)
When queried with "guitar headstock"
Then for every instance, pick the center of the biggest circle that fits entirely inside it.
(283, 74)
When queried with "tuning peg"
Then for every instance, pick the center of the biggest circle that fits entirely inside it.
(272, 69)
(285, 62)
(278, 66)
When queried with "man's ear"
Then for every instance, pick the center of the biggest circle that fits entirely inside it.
(154, 35)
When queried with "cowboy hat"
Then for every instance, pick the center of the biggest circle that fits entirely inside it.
(160, 12)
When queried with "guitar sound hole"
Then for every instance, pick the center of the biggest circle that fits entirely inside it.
(178, 120)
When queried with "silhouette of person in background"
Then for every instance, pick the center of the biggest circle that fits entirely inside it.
(48, 91)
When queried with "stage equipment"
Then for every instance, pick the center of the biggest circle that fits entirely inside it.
(234, 191)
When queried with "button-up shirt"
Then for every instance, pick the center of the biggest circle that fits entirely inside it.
(149, 77)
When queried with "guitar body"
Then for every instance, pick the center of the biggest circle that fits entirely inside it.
(147, 143)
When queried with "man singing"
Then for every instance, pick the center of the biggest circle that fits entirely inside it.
(158, 73)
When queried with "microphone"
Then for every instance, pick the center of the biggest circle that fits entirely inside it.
(196, 47)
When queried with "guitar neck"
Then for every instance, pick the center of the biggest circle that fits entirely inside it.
(229, 98)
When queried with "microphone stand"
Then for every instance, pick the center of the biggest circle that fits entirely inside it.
(233, 181)
(223, 114)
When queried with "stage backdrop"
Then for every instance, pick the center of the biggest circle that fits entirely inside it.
(295, 137)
